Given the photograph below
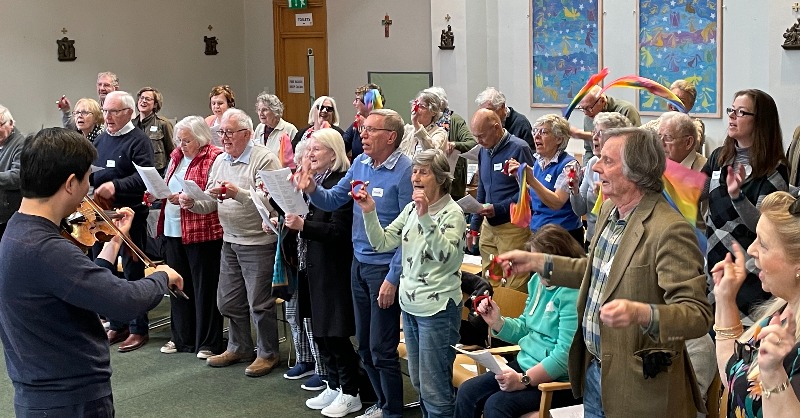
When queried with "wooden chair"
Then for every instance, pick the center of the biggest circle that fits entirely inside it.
(714, 398)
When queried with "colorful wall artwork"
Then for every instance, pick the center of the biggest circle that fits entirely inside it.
(566, 48)
(680, 39)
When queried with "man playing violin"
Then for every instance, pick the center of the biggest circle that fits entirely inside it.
(56, 350)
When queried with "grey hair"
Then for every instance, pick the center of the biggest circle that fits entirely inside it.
(393, 122)
(5, 115)
(681, 123)
(332, 139)
(112, 76)
(243, 121)
(643, 158)
(436, 160)
(124, 97)
(272, 102)
(441, 93)
(300, 151)
(558, 125)
(197, 127)
(611, 120)
(493, 96)
(433, 102)
(313, 114)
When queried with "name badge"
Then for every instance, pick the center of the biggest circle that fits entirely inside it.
(153, 128)
(715, 175)
(111, 163)
(377, 192)
(547, 178)
(498, 167)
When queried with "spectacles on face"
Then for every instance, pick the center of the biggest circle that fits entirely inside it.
(738, 112)
(323, 108)
(146, 99)
(597, 133)
(263, 110)
(229, 134)
(185, 141)
(82, 113)
(372, 130)
(541, 131)
(114, 112)
(585, 109)
(669, 139)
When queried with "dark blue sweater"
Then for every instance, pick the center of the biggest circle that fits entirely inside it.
(50, 295)
(118, 154)
(495, 187)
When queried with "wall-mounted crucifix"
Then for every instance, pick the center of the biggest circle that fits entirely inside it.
(386, 22)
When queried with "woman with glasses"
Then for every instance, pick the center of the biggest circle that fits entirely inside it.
(88, 118)
(191, 245)
(583, 196)
(274, 132)
(423, 133)
(323, 110)
(759, 367)
(748, 166)
(550, 176)
(157, 128)
(220, 99)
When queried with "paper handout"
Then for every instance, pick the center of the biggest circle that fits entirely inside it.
(194, 191)
(154, 182)
(484, 358)
(469, 204)
(472, 154)
(452, 159)
(262, 210)
(283, 191)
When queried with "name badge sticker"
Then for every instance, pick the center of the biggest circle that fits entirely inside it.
(715, 175)
(153, 128)
(498, 167)
(547, 178)
(111, 163)
(377, 192)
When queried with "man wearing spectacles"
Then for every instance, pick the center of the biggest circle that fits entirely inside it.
(594, 103)
(106, 83)
(511, 120)
(11, 142)
(118, 148)
(375, 275)
(248, 253)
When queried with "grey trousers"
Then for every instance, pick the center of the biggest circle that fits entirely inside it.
(245, 291)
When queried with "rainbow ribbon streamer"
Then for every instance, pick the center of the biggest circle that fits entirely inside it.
(636, 82)
(373, 99)
(593, 81)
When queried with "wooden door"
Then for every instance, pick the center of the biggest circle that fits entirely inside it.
(300, 34)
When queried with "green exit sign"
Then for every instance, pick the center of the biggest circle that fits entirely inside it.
(298, 4)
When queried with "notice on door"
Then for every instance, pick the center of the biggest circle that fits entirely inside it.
(303, 19)
(297, 84)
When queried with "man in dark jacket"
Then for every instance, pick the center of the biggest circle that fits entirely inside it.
(514, 122)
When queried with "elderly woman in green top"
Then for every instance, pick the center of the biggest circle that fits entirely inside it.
(431, 232)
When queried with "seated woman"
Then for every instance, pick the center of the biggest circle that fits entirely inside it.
(431, 231)
(88, 118)
(544, 333)
(760, 367)
(550, 177)
(323, 110)
(424, 133)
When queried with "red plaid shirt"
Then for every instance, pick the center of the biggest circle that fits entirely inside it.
(194, 227)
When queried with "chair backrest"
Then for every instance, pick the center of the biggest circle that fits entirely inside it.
(510, 301)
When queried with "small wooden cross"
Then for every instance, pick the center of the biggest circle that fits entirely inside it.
(210, 27)
(796, 7)
(386, 22)
(447, 17)
(64, 31)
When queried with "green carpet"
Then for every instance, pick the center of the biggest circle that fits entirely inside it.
(147, 383)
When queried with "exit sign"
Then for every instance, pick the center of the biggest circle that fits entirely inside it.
(298, 4)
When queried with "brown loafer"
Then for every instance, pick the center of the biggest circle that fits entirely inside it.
(261, 366)
(133, 342)
(227, 358)
(117, 336)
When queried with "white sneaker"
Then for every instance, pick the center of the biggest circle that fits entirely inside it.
(323, 399)
(342, 405)
(204, 354)
(373, 411)
(169, 348)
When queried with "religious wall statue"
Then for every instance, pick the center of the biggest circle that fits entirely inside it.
(211, 45)
(447, 40)
(66, 49)
(792, 37)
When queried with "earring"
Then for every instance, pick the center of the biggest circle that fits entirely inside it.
(797, 275)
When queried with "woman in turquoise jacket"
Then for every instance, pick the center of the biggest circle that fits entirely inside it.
(544, 333)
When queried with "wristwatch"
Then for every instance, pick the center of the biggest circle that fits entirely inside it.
(526, 380)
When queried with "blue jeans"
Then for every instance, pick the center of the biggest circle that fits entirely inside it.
(430, 358)
(378, 334)
(592, 399)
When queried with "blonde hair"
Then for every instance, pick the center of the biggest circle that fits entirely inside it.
(92, 106)
(332, 139)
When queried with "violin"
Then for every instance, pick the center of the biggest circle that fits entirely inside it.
(97, 226)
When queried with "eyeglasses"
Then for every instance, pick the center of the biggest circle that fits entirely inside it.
(597, 133)
(229, 134)
(146, 99)
(371, 130)
(263, 110)
(669, 139)
(589, 108)
(745, 351)
(185, 141)
(82, 113)
(114, 112)
(541, 131)
(738, 112)
(322, 108)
